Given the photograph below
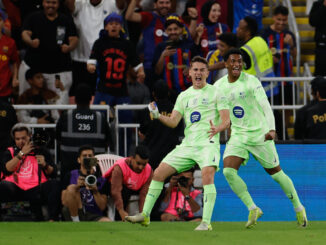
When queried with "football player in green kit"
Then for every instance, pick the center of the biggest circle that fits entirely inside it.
(202, 107)
(252, 131)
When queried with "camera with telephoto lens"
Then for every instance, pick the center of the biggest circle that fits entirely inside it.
(89, 163)
(183, 181)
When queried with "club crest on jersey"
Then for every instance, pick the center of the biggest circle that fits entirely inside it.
(204, 101)
(195, 117)
(238, 112)
(242, 95)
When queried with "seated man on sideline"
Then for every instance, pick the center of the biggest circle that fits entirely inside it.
(27, 172)
(84, 202)
(130, 176)
(181, 201)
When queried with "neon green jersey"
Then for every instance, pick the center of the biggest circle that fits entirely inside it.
(198, 107)
(249, 124)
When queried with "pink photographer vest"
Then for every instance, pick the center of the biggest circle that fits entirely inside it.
(173, 205)
(27, 177)
(131, 179)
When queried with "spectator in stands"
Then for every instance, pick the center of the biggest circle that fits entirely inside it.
(172, 57)
(216, 66)
(282, 43)
(130, 176)
(210, 30)
(243, 8)
(257, 57)
(79, 127)
(50, 37)
(88, 16)
(28, 174)
(82, 201)
(181, 202)
(113, 56)
(317, 18)
(315, 116)
(9, 63)
(159, 138)
(8, 119)
(153, 31)
(38, 94)
(299, 126)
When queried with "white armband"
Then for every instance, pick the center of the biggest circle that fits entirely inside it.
(136, 68)
(91, 62)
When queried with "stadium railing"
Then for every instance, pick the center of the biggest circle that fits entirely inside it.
(283, 107)
(56, 107)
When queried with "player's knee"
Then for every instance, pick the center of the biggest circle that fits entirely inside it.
(229, 173)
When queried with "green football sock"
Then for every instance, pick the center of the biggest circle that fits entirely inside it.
(209, 202)
(238, 186)
(288, 188)
(153, 193)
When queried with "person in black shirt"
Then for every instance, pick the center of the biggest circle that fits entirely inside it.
(50, 36)
(299, 125)
(315, 116)
(79, 127)
(113, 56)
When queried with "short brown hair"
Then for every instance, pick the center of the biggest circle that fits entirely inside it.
(199, 59)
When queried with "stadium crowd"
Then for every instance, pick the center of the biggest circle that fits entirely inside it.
(123, 52)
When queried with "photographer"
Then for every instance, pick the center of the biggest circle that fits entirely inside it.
(27, 169)
(85, 192)
(181, 201)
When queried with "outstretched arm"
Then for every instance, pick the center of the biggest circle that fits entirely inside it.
(170, 121)
(131, 15)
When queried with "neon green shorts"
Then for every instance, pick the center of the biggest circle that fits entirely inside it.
(265, 154)
(183, 158)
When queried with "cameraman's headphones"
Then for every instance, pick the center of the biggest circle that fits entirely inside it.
(20, 127)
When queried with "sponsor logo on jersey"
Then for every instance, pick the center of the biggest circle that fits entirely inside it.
(242, 95)
(195, 117)
(238, 112)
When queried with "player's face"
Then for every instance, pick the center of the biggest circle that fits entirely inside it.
(113, 28)
(223, 47)
(214, 13)
(21, 138)
(234, 65)
(280, 22)
(198, 73)
(174, 32)
(38, 80)
(242, 29)
(138, 164)
(50, 6)
(163, 7)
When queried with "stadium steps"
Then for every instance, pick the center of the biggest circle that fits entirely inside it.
(306, 31)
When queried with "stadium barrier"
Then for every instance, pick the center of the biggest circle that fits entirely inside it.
(294, 106)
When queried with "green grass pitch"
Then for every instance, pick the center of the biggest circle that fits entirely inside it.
(62, 233)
